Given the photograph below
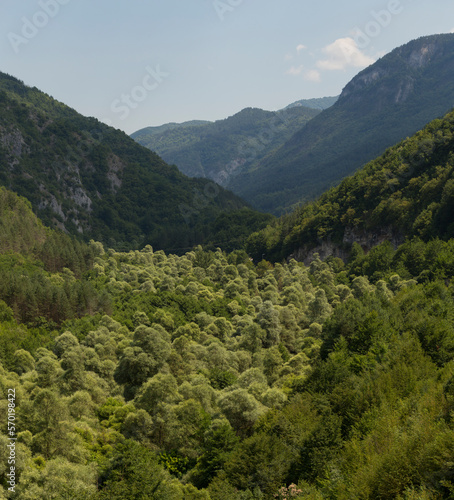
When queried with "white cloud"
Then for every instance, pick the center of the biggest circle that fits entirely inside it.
(295, 70)
(312, 76)
(300, 47)
(452, 31)
(344, 53)
(288, 57)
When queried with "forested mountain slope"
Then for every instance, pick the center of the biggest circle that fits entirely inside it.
(206, 377)
(382, 105)
(221, 150)
(94, 181)
(320, 103)
(406, 192)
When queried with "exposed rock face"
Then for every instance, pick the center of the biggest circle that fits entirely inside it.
(116, 167)
(324, 250)
(409, 59)
(66, 170)
(367, 240)
(14, 144)
(385, 103)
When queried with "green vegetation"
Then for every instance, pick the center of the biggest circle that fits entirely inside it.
(221, 150)
(143, 374)
(381, 106)
(407, 192)
(226, 375)
(320, 103)
(95, 182)
(212, 378)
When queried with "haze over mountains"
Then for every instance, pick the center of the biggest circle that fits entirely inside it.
(221, 150)
(89, 179)
(407, 192)
(257, 370)
(382, 105)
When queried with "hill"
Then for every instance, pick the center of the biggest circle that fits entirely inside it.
(383, 104)
(205, 376)
(320, 103)
(94, 181)
(221, 150)
(407, 192)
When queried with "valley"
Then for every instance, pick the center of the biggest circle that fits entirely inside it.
(167, 339)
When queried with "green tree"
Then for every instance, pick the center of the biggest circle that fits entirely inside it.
(134, 473)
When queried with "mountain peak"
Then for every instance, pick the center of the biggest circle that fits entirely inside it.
(383, 104)
(402, 66)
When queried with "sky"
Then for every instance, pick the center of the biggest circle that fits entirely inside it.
(139, 63)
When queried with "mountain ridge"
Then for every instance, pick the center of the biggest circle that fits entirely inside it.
(407, 192)
(86, 178)
(220, 150)
(382, 105)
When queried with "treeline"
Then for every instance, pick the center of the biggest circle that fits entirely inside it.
(214, 378)
(409, 191)
(43, 272)
(93, 181)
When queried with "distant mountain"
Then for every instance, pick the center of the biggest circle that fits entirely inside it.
(220, 150)
(320, 103)
(94, 181)
(406, 192)
(150, 131)
(383, 104)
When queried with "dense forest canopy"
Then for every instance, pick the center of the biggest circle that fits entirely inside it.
(406, 192)
(93, 181)
(204, 376)
(224, 371)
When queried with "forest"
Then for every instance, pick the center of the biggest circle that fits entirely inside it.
(93, 181)
(209, 376)
(372, 113)
(407, 191)
(228, 370)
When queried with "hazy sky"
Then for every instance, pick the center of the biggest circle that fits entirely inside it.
(147, 62)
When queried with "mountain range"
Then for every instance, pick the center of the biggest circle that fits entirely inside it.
(385, 103)
(94, 181)
(322, 367)
(220, 150)
(277, 160)
(408, 192)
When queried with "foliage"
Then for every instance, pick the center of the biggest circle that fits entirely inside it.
(407, 192)
(219, 150)
(95, 182)
(382, 105)
(141, 374)
(249, 381)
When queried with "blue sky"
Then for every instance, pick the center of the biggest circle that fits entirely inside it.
(137, 63)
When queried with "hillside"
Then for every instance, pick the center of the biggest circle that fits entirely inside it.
(208, 377)
(407, 192)
(220, 150)
(320, 103)
(382, 105)
(94, 181)
(205, 377)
